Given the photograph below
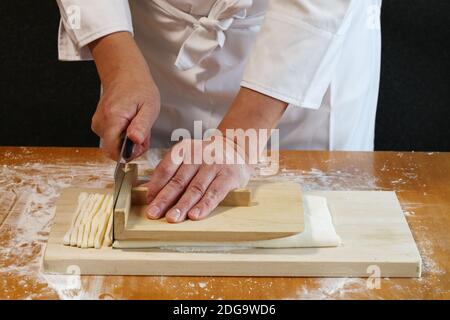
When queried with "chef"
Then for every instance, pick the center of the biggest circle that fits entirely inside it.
(307, 67)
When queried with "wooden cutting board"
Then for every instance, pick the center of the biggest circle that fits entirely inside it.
(276, 211)
(376, 242)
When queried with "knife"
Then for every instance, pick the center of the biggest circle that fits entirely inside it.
(126, 151)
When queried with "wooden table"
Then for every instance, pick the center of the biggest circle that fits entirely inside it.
(31, 179)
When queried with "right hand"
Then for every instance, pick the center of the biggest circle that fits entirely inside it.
(130, 101)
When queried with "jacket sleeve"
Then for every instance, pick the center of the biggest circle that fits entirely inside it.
(297, 49)
(83, 21)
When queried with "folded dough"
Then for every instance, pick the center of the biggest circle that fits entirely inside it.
(319, 232)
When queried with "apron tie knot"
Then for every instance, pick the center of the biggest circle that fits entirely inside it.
(209, 24)
(209, 31)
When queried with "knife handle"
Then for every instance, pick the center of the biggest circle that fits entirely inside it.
(128, 151)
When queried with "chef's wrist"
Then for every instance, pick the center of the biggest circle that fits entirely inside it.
(251, 117)
(117, 57)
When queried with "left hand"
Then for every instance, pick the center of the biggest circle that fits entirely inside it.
(183, 188)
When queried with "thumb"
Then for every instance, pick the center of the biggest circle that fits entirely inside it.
(140, 126)
(140, 149)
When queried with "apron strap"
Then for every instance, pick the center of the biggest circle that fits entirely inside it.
(208, 31)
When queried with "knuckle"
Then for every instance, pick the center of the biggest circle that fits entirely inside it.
(152, 96)
(139, 123)
(162, 200)
(151, 192)
(156, 94)
(110, 111)
(208, 202)
(177, 183)
(213, 193)
(164, 170)
(197, 189)
(94, 126)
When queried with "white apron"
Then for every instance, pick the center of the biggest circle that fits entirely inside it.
(201, 52)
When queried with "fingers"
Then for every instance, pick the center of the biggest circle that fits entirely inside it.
(109, 122)
(179, 189)
(117, 112)
(139, 150)
(215, 193)
(140, 126)
(171, 192)
(162, 174)
(193, 193)
(112, 136)
(96, 124)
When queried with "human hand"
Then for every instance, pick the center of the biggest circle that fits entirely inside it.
(181, 188)
(129, 105)
(130, 101)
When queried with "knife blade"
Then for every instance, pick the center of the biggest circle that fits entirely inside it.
(125, 153)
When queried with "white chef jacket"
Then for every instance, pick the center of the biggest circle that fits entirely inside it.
(322, 57)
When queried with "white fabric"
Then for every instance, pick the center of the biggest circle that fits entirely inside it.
(96, 19)
(208, 31)
(320, 56)
(319, 232)
(317, 45)
(330, 57)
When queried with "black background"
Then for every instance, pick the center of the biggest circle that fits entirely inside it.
(46, 102)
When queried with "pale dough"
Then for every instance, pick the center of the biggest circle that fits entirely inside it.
(319, 232)
(91, 222)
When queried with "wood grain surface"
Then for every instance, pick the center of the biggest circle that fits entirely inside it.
(31, 179)
(276, 211)
(374, 232)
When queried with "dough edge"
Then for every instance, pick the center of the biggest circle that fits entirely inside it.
(319, 232)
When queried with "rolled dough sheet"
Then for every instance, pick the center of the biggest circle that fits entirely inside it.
(319, 232)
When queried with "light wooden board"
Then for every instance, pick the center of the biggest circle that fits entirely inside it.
(241, 197)
(276, 211)
(371, 224)
(236, 218)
